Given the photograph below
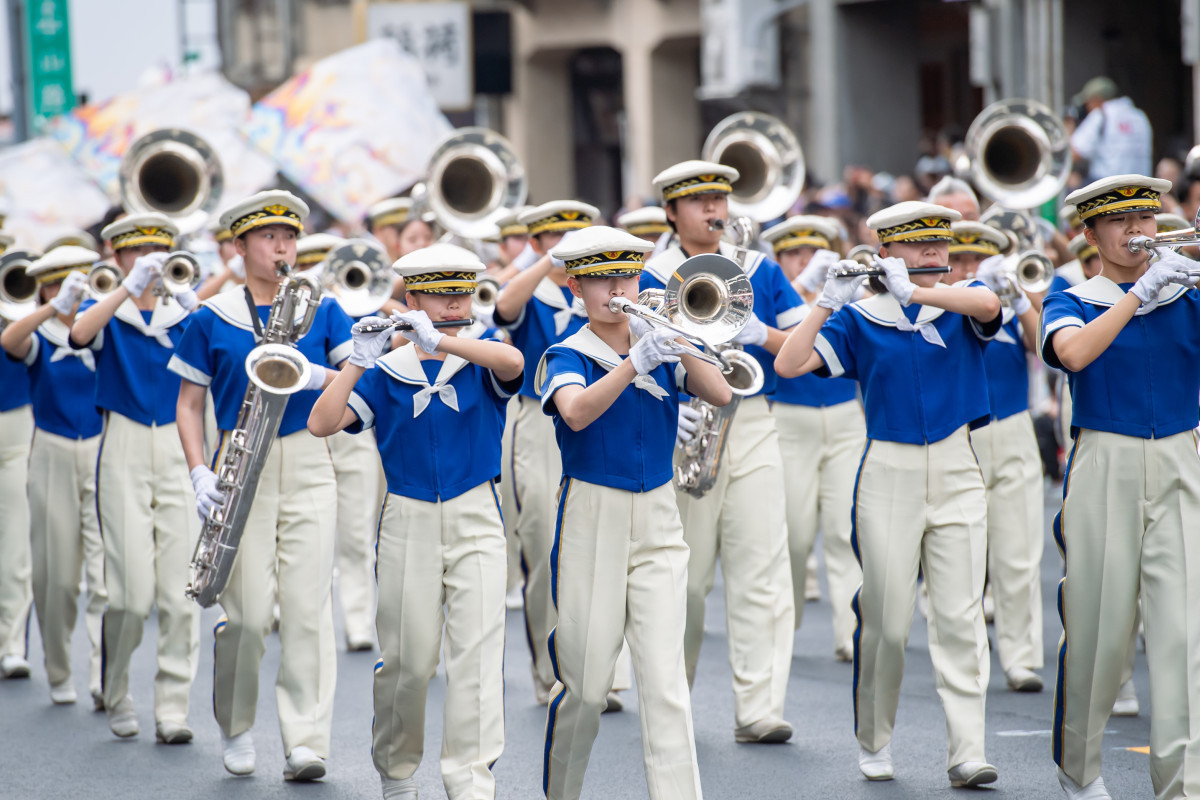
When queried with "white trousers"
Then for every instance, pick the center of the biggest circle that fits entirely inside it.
(16, 593)
(821, 448)
(1129, 520)
(508, 495)
(360, 490)
(65, 538)
(537, 469)
(620, 570)
(442, 564)
(1012, 474)
(149, 525)
(921, 505)
(287, 545)
(741, 520)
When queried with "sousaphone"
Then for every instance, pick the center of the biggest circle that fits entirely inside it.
(769, 161)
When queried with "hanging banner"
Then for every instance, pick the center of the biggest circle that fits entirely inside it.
(48, 44)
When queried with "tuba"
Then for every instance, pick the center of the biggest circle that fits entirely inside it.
(769, 161)
(1017, 153)
(474, 179)
(18, 291)
(358, 275)
(173, 172)
(276, 370)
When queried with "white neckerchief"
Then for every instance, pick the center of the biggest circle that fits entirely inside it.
(1101, 291)
(551, 294)
(592, 346)
(1003, 336)
(404, 365)
(231, 306)
(884, 309)
(162, 318)
(56, 333)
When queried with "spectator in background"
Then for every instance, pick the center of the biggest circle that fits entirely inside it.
(1114, 137)
(957, 194)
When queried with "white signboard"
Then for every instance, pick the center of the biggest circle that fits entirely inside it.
(436, 34)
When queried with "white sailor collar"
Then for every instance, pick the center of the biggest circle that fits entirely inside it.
(56, 332)
(586, 342)
(404, 365)
(551, 294)
(1101, 291)
(475, 330)
(1071, 272)
(231, 306)
(883, 309)
(164, 316)
(665, 263)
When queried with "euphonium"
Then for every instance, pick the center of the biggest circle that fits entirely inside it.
(276, 370)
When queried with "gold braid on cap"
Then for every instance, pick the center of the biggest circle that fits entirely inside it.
(609, 264)
(560, 221)
(62, 272)
(445, 282)
(1119, 201)
(515, 229)
(223, 235)
(973, 243)
(397, 216)
(796, 239)
(311, 258)
(697, 184)
(274, 214)
(647, 228)
(143, 235)
(925, 229)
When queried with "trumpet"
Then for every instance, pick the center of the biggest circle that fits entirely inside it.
(103, 279)
(1167, 239)
(180, 272)
(1031, 271)
(377, 327)
(487, 291)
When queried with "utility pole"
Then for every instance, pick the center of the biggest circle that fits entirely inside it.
(15, 10)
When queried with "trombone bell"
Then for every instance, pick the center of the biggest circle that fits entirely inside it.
(710, 297)
(487, 290)
(359, 276)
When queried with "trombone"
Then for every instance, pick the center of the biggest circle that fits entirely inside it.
(1031, 272)
(1166, 239)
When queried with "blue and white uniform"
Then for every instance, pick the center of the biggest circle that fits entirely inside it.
(1131, 498)
(62, 498)
(918, 503)
(146, 504)
(16, 432)
(742, 518)
(293, 512)
(619, 569)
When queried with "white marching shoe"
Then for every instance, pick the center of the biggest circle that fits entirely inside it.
(14, 666)
(63, 694)
(303, 765)
(238, 754)
(1093, 791)
(122, 718)
(399, 789)
(876, 766)
(972, 773)
(1021, 679)
(1127, 702)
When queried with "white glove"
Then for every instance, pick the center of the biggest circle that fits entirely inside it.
(208, 497)
(656, 348)
(896, 279)
(818, 267)
(839, 290)
(188, 299)
(558, 262)
(991, 272)
(639, 326)
(237, 265)
(689, 418)
(526, 258)
(755, 332)
(1021, 304)
(423, 333)
(316, 378)
(70, 292)
(145, 270)
(1161, 272)
(1181, 264)
(485, 316)
(369, 345)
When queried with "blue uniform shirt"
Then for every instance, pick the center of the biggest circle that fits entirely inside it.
(63, 381)
(133, 350)
(14, 381)
(814, 392)
(914, 391)
(220, 336)
(630, 445)
(1147, 382)
(438, 424)
(776, 303)
(550, 316)
(1007, 370)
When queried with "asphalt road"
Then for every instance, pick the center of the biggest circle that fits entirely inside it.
(68, 752)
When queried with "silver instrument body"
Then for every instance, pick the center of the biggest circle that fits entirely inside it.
(359, 276)
(474, 178)
(18, 291)
(769, 161)
(1017, 152)
(277, 370)
(174, 172)
(104, 279)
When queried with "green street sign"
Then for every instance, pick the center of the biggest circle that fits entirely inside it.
(48, 44)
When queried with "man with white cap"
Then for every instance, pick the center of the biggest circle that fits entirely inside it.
(742, 519)
(145, 502)
(1131, 496)
(62, 466)
(296, 499)
(821, 436)
(1115, 136)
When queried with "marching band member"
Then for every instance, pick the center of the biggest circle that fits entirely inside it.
(232, 271)
(537, 309)
(742, 519)
(1132, 488)
(647, 222)
(143, 497)
(288, 549)
(16, 433)
(514, 238)
(619, 561)
(1011, 465)
(821, 435)
(391, 222)
(441, 538)
(62, 467)
(312, 249)
(917, 352)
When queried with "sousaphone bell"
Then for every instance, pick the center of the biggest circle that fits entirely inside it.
(474, 179)
(173, 172)
(769, 161)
